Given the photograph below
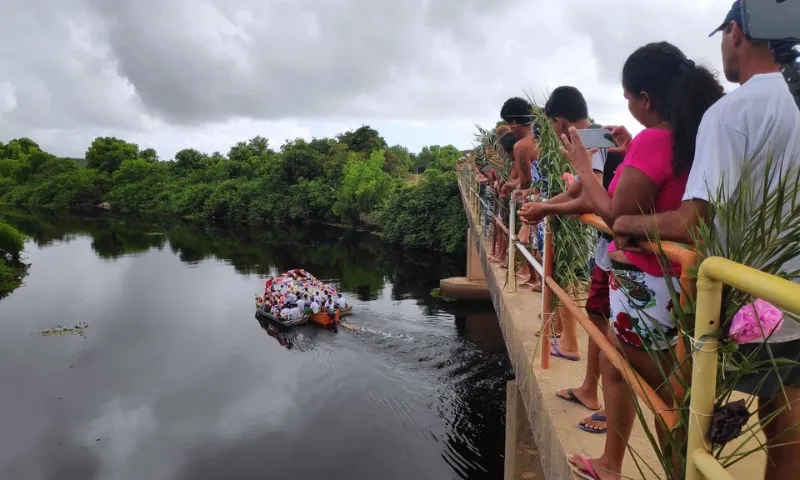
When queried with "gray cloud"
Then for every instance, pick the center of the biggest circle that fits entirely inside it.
(162, 72)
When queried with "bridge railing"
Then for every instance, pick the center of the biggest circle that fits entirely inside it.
(470, 189)
(712, 274)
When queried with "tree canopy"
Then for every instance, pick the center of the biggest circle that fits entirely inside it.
(355, 178)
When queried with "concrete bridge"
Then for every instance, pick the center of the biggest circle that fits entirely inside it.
(542, 429)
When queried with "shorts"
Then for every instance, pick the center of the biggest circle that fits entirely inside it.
(766, 381)
(598, 302)
(540, 237)
(641, 308)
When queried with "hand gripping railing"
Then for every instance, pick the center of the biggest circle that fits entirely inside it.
(713, 273)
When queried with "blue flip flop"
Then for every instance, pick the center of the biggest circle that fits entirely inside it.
(557, 353)
(597, 418)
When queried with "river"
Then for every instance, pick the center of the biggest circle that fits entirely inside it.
(174, 377)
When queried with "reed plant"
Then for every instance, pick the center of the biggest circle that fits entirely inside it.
(759, 227)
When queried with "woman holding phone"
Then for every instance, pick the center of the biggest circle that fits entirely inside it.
(668, 94)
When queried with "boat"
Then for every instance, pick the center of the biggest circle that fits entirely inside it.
(325, 318)
(298, 283)
(286, 323)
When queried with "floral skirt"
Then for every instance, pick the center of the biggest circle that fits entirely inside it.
(641, 308)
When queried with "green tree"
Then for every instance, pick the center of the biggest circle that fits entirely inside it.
(442, 158)
(106, 154)
(363, 140)
(398, 161)
(364, 186)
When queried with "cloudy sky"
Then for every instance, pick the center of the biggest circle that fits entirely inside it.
(172, 74)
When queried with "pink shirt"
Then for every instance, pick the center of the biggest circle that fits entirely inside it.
(650, 152)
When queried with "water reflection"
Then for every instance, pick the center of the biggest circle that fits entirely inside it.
(175, 380)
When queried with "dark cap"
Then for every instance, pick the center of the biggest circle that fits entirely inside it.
(734, 15)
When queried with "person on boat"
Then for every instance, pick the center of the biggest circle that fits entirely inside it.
(330, 305)
(301, 304)
(285, 312)
(295, 312)
(342, 302)
(314, 306)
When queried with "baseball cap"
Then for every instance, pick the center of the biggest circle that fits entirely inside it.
(734, 15)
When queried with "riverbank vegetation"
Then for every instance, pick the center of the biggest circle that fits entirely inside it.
(355, 179)
(12, 268)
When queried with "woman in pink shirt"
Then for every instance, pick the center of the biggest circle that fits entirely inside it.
(668, 94)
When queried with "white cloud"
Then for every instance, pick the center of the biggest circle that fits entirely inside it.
(206, 74)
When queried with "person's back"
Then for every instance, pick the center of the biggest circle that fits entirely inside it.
(315, 306)
(753, 132)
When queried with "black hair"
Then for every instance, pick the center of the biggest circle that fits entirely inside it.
(680, 91)
(567, 102)
(507, 141)
(517, 111)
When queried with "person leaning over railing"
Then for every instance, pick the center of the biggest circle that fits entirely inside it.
(499, 241)
(668, 94)
(752, 132)
(565, 108)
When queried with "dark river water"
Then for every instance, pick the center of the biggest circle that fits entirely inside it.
(175, 378)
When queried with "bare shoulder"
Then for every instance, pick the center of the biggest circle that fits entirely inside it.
(526, 147)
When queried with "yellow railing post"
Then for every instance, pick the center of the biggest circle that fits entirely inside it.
(512, 228)
(704, 368)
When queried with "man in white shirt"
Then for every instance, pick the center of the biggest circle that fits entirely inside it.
(285, 312)
(296, 315)
(314, 306)
(342, 302)
(301, 304)
(755, 132)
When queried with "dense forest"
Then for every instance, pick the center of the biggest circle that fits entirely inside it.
(354, 179)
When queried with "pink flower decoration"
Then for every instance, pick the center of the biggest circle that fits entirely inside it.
(745, 324)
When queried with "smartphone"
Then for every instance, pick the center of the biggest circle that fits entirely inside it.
(771, 20)
(596, 138)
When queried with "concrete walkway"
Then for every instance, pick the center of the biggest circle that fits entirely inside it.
(553, 422)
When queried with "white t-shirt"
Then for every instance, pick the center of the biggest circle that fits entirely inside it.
(285, 313)
(301, 304)
(315, 306)
(740, 133)
(342, 302)
(601, 256)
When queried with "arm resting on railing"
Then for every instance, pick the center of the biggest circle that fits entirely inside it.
(675, 226)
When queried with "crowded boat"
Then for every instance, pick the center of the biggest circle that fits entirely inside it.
(296, 297)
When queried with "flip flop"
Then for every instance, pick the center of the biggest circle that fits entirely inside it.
(557, 353)
(552, 335)
(588, 472)
(572, 398)
(597, 418)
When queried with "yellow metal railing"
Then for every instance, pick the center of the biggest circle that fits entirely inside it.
(713, 273)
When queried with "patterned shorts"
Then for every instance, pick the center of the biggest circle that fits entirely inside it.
(641, 308)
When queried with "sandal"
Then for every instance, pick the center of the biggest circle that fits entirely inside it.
(596, 417)
(587, 472)
(571, 397)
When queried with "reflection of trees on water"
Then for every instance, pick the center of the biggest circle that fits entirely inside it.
(359, 261)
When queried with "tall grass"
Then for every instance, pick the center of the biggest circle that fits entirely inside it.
(755, 222)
